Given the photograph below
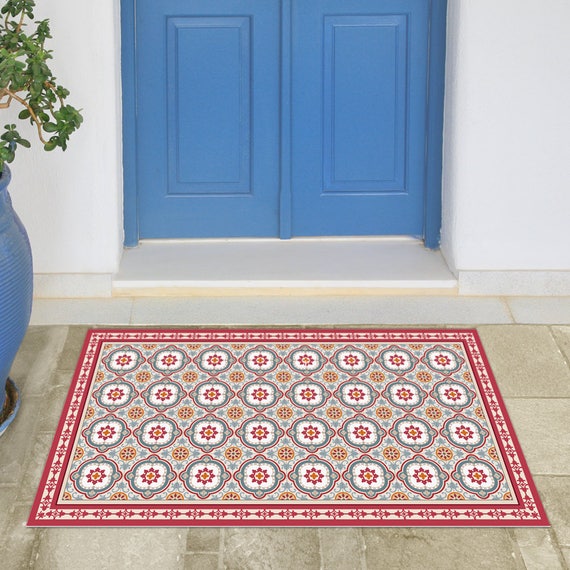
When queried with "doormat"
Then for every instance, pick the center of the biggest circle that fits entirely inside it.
(285, 428)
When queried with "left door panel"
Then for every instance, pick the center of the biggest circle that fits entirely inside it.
(208, 118)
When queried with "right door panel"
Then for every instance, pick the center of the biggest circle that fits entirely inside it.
(359, 88)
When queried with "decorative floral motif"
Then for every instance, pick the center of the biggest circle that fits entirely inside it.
(163, 395)
(310, 433)
(260, 395)
(404, 395)
(96, 476)
(356, 395)
(422, 476)
(313, 476)
(211, 395)
(209, 432)
(477, 476)
(260, 360)
(169, 360)
(259, 433)
(362, 433)
(368, 476)
(391, 453)
(259, 476)
(308, 395)
(464, 432)
(413, 433)
(106, 433)
(351, 360)
(443, 360)
(305, 360)
(398, 360)
(157, 433)
(205, 476)
(115, 395)
(123, 360)
(453, 395)
(150, 476)
(214, 360)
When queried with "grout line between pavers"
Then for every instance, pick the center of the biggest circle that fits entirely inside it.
(556, 475)
(557, 547)
(362, 545)
(131, 311)
(34, 552)
(516, 547)
(561, 398)
(505, 301)
(319, 534)
(562, 353)
(221, 549)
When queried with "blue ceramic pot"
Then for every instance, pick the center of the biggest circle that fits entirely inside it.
(16, 282)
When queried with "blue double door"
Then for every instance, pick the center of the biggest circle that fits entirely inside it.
(267, 118)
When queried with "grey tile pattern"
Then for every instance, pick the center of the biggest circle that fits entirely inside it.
(532, 370)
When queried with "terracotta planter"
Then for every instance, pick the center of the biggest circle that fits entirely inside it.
(16, 282)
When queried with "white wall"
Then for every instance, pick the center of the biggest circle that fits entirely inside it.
(507, 135)
(507, 141)
(71, 202)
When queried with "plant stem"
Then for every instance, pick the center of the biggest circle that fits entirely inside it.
(13, 95)
(21, 23)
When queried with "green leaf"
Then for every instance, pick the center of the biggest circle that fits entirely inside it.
(25, 71)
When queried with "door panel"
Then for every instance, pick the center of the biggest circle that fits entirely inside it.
(208, 116)
(212, 97)
(359, 76)
(209, 101)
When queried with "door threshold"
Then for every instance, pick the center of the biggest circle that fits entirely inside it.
(347, 266)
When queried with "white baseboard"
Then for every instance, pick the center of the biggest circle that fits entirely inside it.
(514, 283)
(72, 285)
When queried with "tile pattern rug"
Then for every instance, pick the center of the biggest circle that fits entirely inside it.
(285, 427)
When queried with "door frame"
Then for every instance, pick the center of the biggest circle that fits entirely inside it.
(434, 123)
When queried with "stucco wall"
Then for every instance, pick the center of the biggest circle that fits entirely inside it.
(507, 142)
(507, 135)
(71, 202)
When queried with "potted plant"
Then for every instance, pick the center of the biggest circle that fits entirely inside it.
(27, 82)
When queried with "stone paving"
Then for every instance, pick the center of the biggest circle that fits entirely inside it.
(532, 367)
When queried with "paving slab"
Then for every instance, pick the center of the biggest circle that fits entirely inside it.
(537, 548)
(442, 548)
(543, 430)
(38, 359)
(7, 500)
(18, 440)
(72, 348)
(562, 337)
(98, 548)
(201, 561)
(18, 540)
(556, 500)
(342, 548)
(323, 310)
(271, 549)
(526, 361)
(203, 540)
(540, 310)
